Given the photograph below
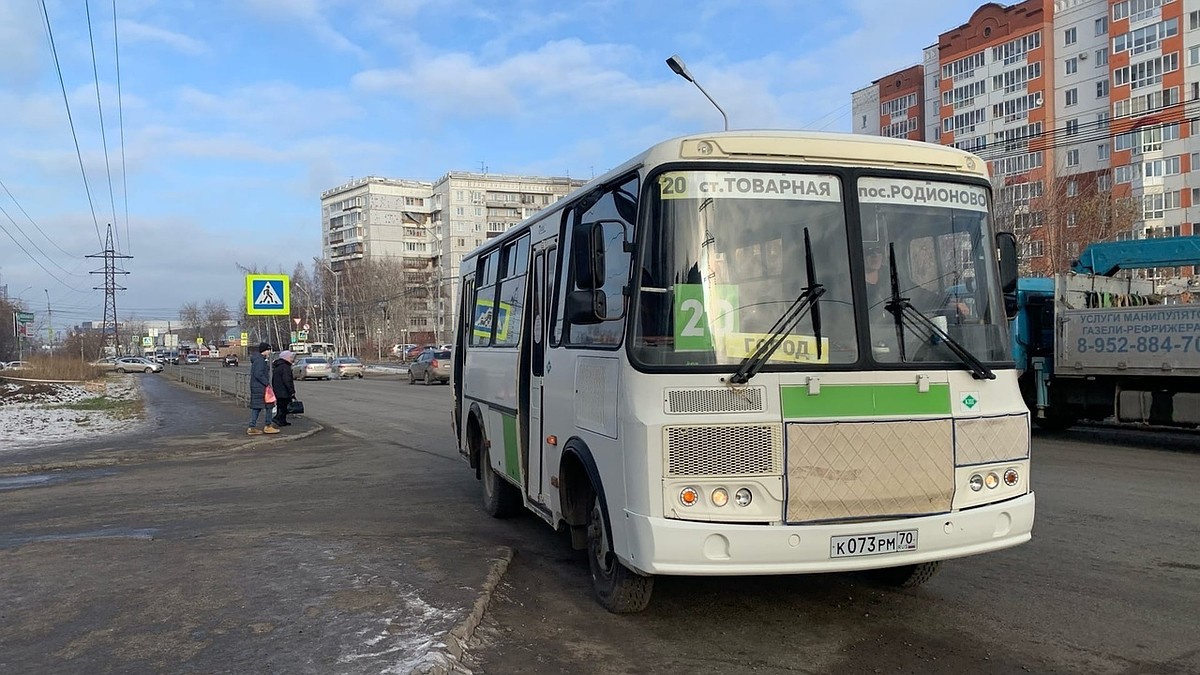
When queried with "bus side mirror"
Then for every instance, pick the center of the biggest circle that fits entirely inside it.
(587, 307)
(1006, 259)
(588, 255)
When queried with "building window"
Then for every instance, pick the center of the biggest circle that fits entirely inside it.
(1072, 66)
(1193, 20)
(1072, 219)
(1072, 127)
(1104, 182)
(1034, 249)
(1102, 89)
(1102, 119)
(1072, 96)
(1069, 36)
(1073, 157)
(1101, 57)
(864, 121)
(1101, 25)
(1073, 186)
(1103, 152)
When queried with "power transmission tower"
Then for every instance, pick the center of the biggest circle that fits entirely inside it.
(110, 289)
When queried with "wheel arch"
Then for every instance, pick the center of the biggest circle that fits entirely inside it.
(578, 479)
(476, 436)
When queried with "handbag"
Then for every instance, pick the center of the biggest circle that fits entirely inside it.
(269, 395)
(296, 407)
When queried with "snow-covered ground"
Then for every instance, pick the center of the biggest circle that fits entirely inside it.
(37, 413)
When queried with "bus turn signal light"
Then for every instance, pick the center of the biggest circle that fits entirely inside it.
(1011, 477)
(689, 496)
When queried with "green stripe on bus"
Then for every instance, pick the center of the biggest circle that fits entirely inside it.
(512, 462)
(852, 400)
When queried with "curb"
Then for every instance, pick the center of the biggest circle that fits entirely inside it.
(461, 634)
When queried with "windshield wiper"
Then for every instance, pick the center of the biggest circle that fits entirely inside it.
(903, 311)
(808, 302)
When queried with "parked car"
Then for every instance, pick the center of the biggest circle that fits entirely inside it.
(229, 360)
(136, 364)
(348, 366)
(400, 351)
(193, 359)
(317, 367)
(16, 365)
(417, 350)
(432, 366)
(106, 363)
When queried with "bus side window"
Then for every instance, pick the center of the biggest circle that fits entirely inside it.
(483, 314)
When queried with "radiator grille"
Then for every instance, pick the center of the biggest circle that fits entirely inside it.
(734, 450)
(716, 400)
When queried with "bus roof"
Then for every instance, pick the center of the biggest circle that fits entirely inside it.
(771, 146)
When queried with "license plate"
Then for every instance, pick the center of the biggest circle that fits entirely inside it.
(872, 544)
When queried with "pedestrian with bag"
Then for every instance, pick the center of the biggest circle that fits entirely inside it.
(284, 386)
(260, 382)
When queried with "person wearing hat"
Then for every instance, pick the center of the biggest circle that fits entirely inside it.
(284, 386)
(260, 379)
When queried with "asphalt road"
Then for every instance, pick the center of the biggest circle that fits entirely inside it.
(335, 552)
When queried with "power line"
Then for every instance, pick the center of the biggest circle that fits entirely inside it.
(31, 257)
(39, 229)
(100, 110)
(34, 244)
(121, 123)
(67, 103)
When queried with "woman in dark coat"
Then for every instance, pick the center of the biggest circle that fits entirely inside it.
(284, 386)
(260, 377)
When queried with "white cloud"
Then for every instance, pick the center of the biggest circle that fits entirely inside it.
(132, 31)
(309, 14)
(280, 107)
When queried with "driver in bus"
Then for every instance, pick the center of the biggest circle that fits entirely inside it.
(879, 287)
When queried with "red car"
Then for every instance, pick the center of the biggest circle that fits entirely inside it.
(415, 352)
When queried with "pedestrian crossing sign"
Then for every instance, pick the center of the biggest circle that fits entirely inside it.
(268, 294)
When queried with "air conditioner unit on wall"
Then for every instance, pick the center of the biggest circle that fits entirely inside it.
(1083, 56)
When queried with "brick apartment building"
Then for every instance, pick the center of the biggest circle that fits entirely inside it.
(1087, 111)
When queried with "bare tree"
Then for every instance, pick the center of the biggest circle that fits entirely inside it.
(214, 314)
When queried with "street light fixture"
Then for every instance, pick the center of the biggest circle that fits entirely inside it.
(337, 308)
(680, 68)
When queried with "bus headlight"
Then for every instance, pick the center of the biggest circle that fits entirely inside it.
(720, 497)
(1011, 477)
(992, 480)
(976, 483)
(688, 496)
(743, 497)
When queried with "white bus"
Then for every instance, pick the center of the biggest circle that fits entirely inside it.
(313, 348)
(746, 353)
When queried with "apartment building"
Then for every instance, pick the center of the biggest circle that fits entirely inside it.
(1083, 110)
(428, 226)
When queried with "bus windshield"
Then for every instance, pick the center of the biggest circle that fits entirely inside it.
(724, 257)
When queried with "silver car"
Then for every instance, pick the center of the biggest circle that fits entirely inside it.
(432, 366)
(348, 366)
(136, 364)
(317, 367)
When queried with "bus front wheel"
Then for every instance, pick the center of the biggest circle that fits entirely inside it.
(619, 589)
(500, 498)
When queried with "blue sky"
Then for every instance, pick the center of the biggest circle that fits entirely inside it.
(236, 114)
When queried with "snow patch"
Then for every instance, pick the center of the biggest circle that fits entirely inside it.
(30, 416)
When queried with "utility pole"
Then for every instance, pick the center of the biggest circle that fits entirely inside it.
(49, 324)
(110, 289)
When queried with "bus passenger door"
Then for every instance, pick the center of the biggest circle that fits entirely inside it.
(544, 259)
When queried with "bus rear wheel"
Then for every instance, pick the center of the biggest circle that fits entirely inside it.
(619, 589)
(908, 576)
(500, 498)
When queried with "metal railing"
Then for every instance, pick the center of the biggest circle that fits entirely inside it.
(222, 381)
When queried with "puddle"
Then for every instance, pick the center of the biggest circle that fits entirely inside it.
(143, 534)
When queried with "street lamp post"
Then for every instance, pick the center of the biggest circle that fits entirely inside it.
(680, 68)
(337, 308)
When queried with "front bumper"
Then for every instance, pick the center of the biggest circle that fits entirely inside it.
(662, 546)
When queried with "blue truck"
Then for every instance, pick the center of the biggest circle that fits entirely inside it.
(1096, 346)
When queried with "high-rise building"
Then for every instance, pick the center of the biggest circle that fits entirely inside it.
(1083, 108)
(428, 227)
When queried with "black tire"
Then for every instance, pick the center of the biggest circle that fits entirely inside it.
(149, 370)
(908, 576)
(500, 498)
(121, 370)
(360, 375)
(619, 589)
(411, 378)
